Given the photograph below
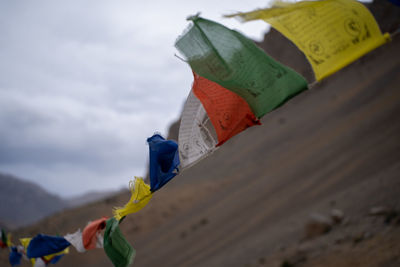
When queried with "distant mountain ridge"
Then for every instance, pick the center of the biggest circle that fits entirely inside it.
(23, 202)
(90, 197)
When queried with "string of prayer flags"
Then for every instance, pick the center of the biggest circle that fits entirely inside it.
(331, 33)
(140, 196)
(43, 245)
(91, 235)
(14, 257)
(196, 134)
(164, 161)
(229, 113)
(117, 248)
(76, 240)
(233, 61)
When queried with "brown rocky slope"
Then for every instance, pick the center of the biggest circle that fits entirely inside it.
(335, 146)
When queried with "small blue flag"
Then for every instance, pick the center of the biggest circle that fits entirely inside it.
(164, 161)
(42, 245)
(56, 258)
(396, 2)
(14, 257)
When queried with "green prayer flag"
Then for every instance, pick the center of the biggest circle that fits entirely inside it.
(230, 59)
(116, 246)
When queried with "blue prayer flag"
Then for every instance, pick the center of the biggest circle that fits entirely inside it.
(396, 2)
(14, 257)
(42, 245)
(164, 161)
(56, 258)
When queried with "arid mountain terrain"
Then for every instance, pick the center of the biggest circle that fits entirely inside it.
(23, 202)
(317, 184)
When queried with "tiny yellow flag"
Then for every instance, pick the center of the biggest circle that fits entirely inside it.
(9, 242)
(141, 195)
(25, 243)
(331, 33)
(49, 257)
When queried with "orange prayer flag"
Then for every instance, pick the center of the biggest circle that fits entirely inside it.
(91, 233)
(229, 113)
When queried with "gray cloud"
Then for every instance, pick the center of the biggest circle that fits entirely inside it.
(84, 83)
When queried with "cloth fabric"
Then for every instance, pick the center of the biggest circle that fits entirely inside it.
(3, 239)
(229, 113)
(9, 243)
(231, 60)
(39, 263)
(117, 248)
(56, 259)
(396, 2)
(196, 133)
(91, 236)
(14, 257)
(164, 161)
(76, 240)
(25, 243)
(331, 33)
(42, 245)
(52, 259)
(141, 195)
(3, 236)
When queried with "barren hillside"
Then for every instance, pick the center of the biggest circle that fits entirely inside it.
(334, 148)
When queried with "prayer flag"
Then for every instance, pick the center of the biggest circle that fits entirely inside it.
(4, 239)
(25, 243)
(116, 247)
(396, 2)
(164, 161)
(229, 113)
(39, 263)
(141, 195)
(196, 134)
(54, 258)
(231, 60)
(76, 240)
(91, 236)
(43, 245)
(331, 33)
(14, 257)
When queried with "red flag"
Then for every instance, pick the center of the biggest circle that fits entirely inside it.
(90, 233)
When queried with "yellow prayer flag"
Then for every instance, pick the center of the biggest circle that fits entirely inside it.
(141, 195)
(25, 243)
(9, 242)
(331, 33)
(49, 257)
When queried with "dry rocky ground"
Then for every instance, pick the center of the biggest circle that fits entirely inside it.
(317, 184)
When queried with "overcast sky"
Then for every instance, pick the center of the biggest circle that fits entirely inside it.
(84, 83)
